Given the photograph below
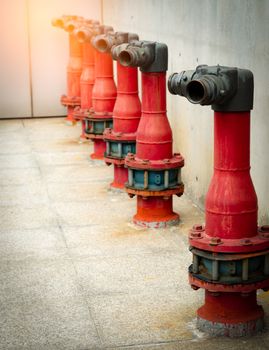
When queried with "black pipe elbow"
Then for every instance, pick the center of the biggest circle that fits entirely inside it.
(148, 55)
(224, 88)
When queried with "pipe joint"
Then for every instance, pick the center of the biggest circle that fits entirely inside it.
(148, 55)
(102, 39)
(61, 21)
(105, 42)
(85, 32)
(226, 89)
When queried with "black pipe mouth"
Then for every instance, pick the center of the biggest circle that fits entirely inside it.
(102, 45)
(171, 84)
(195, 91)
(125, 58)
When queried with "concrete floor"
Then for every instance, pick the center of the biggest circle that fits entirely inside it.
(75, 273)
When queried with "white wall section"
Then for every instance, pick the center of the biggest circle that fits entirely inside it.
(15, 97)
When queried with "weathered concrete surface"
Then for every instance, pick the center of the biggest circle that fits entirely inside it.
(75, 273)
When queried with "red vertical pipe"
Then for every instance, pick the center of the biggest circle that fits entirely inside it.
(126, 115)
(231, 309)
(154, 134)
(74, 70)
(86, 80)
(127, 110)
(104, 95)
(231, 202)
(104, 92)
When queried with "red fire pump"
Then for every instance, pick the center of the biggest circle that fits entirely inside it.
(231, 253)
(154, 173)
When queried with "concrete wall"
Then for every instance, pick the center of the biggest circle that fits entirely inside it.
(34, 55)
(49, 50)
(226, 32)
(15, 95)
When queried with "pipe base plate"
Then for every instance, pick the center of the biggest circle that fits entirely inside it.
(155, 223)
(232, 330)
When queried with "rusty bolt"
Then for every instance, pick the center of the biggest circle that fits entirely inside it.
(194, 287)
(130, 155)
(197, 227)
(195, 234)
(215, 241)
(145, 161)
(265, 234)
(246, 242)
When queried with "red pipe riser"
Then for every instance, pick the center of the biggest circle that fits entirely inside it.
(99, 147)
(231, 201)
(104, 92)
(127, 109)
(120, 176)
(74, 67)
(154, 134)
(88, 76)
(155, 210)
(230, 308)
(126, 114)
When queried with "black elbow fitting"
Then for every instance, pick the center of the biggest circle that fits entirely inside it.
(225, 88)
(105, 42)
(148, 55)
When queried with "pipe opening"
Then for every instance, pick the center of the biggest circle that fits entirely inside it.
(81, 36)
(125, 58)
(102, 45)
(70, 28)
(195, 91)
(57, 22)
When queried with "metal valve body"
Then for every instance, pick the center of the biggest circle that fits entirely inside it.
(230, 254)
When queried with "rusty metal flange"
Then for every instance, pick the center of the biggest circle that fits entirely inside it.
(178, 191)
(199, 239)
(70, 100)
